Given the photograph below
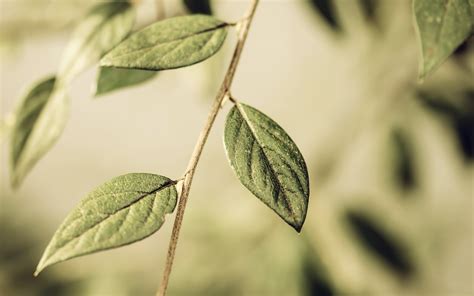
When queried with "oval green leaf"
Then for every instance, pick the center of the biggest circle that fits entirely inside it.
(442, 25)
(124, 210)
(268, 163)
(103, 28)
(111, 79)
(169, 44)
(40, 119)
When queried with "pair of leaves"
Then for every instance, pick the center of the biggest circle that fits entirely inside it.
(132, 207)
(126, 209)
(169, 44)
(42, 113)
(442, 26)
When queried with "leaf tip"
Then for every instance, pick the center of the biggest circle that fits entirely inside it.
(298, 228)
(423, 72)
(39, 269)
(297, 225)
(43, 263)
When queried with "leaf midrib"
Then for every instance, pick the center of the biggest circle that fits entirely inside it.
(145, 194)
(252, 130)
(150, 47)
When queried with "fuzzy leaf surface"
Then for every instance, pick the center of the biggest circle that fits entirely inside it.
(442, 25)
(40, 119)
(126, 209)
(169, 44)
(268, 163)
(102, 28)
(111, 79)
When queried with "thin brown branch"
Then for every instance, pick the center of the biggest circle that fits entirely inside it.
(188, 177)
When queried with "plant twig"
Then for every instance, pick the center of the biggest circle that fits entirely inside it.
(188, 177)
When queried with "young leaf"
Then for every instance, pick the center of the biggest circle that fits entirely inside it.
(442, 25)
(169, 44)
(124, 210)
(199, 6)
(268, 163)
(104, 27)
(110, 79)
(40, 119)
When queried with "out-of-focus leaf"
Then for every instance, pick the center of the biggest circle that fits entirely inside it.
(369, 7)
(268, 163)
(461, 118)
(404, 167)
(199, 6)
(110, 79)
(124, 210)
(325, 9)
(314, 277)
(442, 25)
(104, 27)
(40, 119)
(391, 252)
(172, 43)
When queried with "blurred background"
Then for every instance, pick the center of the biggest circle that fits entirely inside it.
(390, 159)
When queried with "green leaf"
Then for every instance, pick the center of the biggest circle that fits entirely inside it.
(103, 28)
(169, 44)
(110, 79)
(268, 163)
(40, 119)
(442, 25)
(124, 210)
(199, 6)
